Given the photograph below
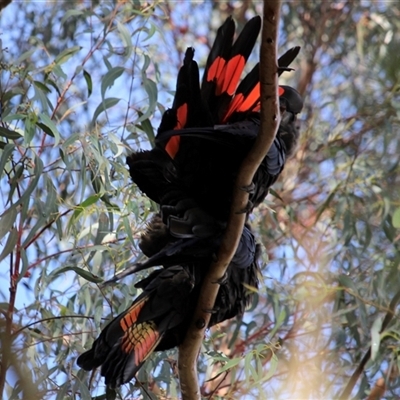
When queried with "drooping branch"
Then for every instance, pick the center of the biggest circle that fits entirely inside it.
(270, 117)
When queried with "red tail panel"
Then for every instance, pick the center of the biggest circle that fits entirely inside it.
(215, 70)
(140, 340)
(172, 146)
(131, 315)
(181, 115)
(231, 75)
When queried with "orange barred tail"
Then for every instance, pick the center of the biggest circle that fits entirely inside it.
(123, 346)
(247, 96)
(130, 338)
(226, 63)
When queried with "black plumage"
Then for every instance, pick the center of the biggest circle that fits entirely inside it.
(159, 318)
(203, 139)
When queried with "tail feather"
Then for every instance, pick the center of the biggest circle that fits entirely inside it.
(287, 58)
(226, 63)
(129, 339)
(188, 109)
(247, 96)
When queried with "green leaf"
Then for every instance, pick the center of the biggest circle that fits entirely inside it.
(81, 272)
(9, 134)
(109, 79)
(42, 86)
(126, 39)
(396, 218)
(10, 244)
(25, 264)
(81, 207)
(14, 181)
(46, 121)
(89, 82)
(230, 364)
(14, 117)
(147, 128)
(7, 221)
(29, 133)
(37, 173)
(8, 149)
(104, 105)
(273, 366)
(71, 13)
(25, 56)
(54, 85)
(66, 55)
(119, 147)
(151, 89)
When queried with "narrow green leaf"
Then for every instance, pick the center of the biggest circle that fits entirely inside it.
(72, 109)
(14, 117)
(7, 221)
(109, 79)
(70, 141)
(8, 149)
(89, 82)
(66, 54)
(230, 364)
(9, 134)
(52, 83)
(29, 131)
(89, 201)
(52, 126)
(81, 272)
(25, 56)
(104, 105)
(119, 147)
(127, 228)
(126, 39)
(281, 319)
(71, 13)
(273, 366)
(10, 244)
(14, 181)
(147, 128)
(396, 218)
(151, 90)
(42, 86)
(37, 172)
(25, 264)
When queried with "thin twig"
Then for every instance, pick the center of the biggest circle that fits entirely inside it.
(190, 348)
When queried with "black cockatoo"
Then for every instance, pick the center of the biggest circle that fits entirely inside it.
(158, 318)
(203, 139)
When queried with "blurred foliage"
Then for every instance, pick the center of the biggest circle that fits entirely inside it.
(82, 83)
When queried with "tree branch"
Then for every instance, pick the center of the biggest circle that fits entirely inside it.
(189, 349)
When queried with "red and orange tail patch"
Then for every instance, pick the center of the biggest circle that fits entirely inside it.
(226, 62)
(246, 100)
(226, 74)
(139, 339)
